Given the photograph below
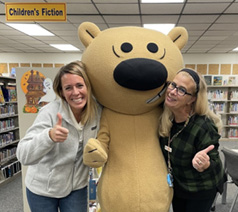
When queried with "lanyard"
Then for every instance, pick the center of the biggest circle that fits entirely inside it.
(169, 149)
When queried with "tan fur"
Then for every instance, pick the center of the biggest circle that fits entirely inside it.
(134, 173)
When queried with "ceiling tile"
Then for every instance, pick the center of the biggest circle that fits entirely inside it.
(233, 8)
(195, 27)
(227, 19)
(224, 27)
(206, 8)
(208, 22)
(161, 8)
(122, 19)
(81, 9)
(118, 8)
(153, 19)
(205, 1)
(78, 19)
(187, 19)
(115, 1)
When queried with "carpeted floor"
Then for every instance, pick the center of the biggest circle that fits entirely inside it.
(11, 194)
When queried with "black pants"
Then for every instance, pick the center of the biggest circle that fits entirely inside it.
(195, 205)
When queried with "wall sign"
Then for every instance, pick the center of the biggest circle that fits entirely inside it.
(35, 11)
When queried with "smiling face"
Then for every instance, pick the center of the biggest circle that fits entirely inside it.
(135, 65)
(75, 92)
(180, 104)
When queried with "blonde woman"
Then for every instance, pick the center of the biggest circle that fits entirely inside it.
(52, 148)
(189, 135)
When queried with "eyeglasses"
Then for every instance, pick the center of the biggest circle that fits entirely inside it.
(180, 90)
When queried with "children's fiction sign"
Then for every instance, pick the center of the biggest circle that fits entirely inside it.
(35, 11)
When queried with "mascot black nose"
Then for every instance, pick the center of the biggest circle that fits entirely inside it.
(140, 74)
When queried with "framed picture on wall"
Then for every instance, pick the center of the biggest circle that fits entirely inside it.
(217, 80)
(232, 80)
(208, 79)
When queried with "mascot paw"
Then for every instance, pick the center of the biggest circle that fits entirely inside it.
(94, 155)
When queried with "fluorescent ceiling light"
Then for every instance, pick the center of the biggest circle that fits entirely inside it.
(162, 1)
(164, 28)
(31, 29)
(235, 49)
(65, 47)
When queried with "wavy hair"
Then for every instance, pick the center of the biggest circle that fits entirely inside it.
(200, 107)
(77, 68)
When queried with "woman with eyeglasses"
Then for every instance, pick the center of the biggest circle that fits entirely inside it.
(189, 136)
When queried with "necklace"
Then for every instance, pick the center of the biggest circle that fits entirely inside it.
(169, 150)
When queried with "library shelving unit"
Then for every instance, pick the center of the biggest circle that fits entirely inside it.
(9, 130)
(224, 100)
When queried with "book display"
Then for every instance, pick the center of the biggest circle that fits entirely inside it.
(9, 129)
(223, 98)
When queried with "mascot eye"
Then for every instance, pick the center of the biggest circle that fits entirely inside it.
(126, 47)
(152, 47)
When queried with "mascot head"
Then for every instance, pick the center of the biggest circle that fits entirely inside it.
(129, 67)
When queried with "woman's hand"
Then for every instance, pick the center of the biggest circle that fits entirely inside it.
(201, 160)
(58, 133)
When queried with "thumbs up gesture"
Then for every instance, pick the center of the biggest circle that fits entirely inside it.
(58, 133)
(201, 160)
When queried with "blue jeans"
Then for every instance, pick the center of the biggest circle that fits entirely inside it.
(76, 201)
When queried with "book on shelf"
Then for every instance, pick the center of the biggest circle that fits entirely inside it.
(12, 93)
(217, 80)
(232, 80)
(225, 80)
(9, 93)
(2, 100)
(208, 80)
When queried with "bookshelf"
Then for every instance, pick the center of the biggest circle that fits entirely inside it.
(9, 130)
(223, 98)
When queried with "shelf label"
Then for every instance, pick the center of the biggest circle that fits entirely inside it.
(35, 11)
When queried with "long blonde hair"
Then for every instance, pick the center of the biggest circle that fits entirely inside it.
(200, 107)
(77, 68)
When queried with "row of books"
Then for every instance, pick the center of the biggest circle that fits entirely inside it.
(7, 110)
(234, 95)
(7, 154)
(10, 170)
(220, 94)
(233, 120)
(233, 133)
(8, 94)
(7, 125)
(234, 108)
(217, 94)
(220, 80)
(219, 107)
(6, 138)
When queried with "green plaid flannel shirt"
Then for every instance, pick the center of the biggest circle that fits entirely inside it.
(199, 134)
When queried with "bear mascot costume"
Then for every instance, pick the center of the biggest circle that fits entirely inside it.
(128, 68)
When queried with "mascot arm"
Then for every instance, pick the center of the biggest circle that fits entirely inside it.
(96, 150)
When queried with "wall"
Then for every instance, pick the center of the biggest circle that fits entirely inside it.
(39, 60)
(39, 57)
(210, 58)
(68, 57)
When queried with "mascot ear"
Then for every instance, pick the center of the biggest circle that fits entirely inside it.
(179, 36)
(87, 31)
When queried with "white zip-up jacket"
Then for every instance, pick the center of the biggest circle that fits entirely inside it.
(55, 169)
